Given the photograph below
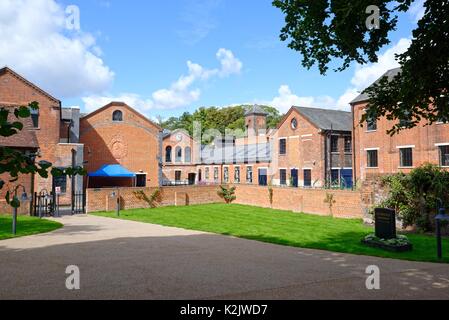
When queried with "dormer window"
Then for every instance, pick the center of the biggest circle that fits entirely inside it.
(117, 116)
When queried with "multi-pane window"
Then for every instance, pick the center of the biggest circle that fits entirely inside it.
(168, 154)
(35, 117)
(283, 177)
(206, 173)
(61, 182)
(187, 155)
(226, 174)
(334, 143)
(348, 144)
(371, 157)
(249, 174)
(335, 177)
(405, 120)
(283, 146)
(178, 154)
(117, 115)
(216, 174)
(444, 156)
(371, 124)
(237, 174)
(406, 157)
(177, 175)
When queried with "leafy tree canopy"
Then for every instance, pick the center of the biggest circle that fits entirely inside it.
(324, 30)
(232, 117)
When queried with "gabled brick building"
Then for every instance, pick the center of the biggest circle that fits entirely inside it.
(43, 132)
(376, 153)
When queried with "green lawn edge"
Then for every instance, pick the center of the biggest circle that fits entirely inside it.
(26, 226)
(281, 227)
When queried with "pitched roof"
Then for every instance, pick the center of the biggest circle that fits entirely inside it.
(26, 138)
(390, 74)
(326, 119)
(236, 154)
(29, 83)
(255, 109)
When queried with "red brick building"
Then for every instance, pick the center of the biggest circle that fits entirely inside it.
(376, 153)
(118, 134)
(43, 133)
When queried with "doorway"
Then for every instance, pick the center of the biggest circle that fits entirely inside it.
(294, 175)
(192, 177)
(307, 178)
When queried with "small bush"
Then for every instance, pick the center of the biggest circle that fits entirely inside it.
(227, 193)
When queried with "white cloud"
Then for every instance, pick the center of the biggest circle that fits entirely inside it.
(417, 10)
(180, 93)
(36, 44)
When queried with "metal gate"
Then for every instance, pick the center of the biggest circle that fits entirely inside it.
(44, 204)
(78, 203)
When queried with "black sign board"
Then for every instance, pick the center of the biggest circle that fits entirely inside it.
(385, 223)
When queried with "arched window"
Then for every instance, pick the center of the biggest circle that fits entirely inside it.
(187, 154)
(168, 154)
(117, 115)
(178, 154)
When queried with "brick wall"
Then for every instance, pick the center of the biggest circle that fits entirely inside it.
(101, 199)
(350, 204)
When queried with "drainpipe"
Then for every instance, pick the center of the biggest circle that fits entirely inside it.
(354, 171)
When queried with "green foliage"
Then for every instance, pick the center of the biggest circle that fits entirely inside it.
(400, 240)
(270, 194)
(152, 200)
(16, 162)
(323, 31)
(219, 119)
(330, 201)
(415, 196)
(227, 193)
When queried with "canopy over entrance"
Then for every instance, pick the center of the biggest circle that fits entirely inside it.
(112, 171)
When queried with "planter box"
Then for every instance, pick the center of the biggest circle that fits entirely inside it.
(384, 246)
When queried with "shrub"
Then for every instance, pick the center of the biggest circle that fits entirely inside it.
(152, 200)
(415, 196)
(227, 193)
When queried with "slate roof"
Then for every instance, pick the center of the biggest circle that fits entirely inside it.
(390, 74)
(326, 119)
(25, 138)
(255, 109)
(240, 154)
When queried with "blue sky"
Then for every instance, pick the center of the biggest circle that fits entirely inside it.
(138, 51)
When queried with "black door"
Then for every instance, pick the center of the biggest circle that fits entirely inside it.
(192, 178)
(141, 180)
(294, 175)
(263, 179)
(307, 178)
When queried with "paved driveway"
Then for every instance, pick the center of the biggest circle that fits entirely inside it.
(131, 260)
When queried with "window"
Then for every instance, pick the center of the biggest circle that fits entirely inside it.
(60, 182)
(226, 174)
(168, 154)
(216, 174)
(371, 124)
(294, 124)
(249, 174)
(283, 177)
(405, 120)
(444, 156)
(263, 177)
(35, 117)
(187, 154)
(307, 178)
(141, 180)
(406, 157)
(371, 158)
(282, 146)
(335, 177)
(334, 143)
(206, 173)
(177, 175)
(348, 144)
(117, 115)
(178, 154)
(237, 174)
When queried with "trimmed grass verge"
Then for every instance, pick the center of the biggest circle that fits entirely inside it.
(281, 227)
(25, 226)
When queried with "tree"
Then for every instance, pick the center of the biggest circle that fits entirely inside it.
(16, 162)
(322, 30)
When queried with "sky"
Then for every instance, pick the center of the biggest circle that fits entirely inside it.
(168, 57)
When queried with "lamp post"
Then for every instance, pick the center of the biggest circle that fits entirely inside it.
(24, 197)
(441, 216)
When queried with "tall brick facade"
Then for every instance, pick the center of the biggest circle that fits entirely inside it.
(117, 134)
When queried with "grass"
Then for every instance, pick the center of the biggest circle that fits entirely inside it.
(25, 226)
(281, 227)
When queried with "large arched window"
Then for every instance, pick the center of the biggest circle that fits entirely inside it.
(117, 115)
(168, 154)
(187, 155)
(178, 154)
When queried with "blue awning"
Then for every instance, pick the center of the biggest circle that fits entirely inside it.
(112, 171)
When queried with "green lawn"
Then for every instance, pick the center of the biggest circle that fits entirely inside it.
(280, 227)
(25, 226)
